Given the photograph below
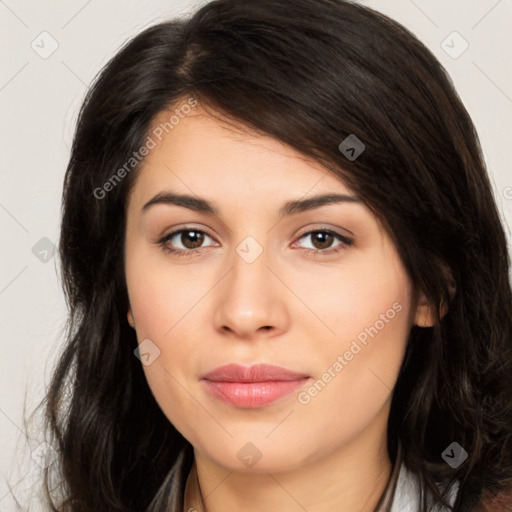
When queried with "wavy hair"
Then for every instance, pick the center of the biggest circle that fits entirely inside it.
(308, 73)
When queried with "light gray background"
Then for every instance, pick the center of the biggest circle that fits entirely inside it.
(39, 100)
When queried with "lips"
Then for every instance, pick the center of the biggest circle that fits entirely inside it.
(254, 386)
(255, 373)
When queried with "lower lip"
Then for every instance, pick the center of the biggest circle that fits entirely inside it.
(252, 395)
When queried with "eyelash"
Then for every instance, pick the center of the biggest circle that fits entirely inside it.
(345, 242)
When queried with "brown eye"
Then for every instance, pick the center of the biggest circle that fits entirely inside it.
(322, 239)
(192, 239)
(184, 242)
(325, 242)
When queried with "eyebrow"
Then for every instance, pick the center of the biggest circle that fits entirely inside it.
(290, 207)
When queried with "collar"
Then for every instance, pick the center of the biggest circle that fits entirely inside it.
(407, 494)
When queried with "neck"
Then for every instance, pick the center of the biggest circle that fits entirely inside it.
(351, 478)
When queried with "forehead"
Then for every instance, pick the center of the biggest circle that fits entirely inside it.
(209, 154)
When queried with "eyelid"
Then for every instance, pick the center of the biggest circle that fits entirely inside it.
(186, 227)
(323, 227)
(175, 231)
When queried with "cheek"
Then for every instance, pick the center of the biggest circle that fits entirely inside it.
(353, 385)
(166, 307)
(368, 299)
(161, 294)
(366, 323)
(165, 311)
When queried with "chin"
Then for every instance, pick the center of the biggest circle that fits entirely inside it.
(252, 454)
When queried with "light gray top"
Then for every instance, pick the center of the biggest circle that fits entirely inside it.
(407, 494)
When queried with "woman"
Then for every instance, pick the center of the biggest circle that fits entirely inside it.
(287, 278)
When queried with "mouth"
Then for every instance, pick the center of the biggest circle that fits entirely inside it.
(252, 387)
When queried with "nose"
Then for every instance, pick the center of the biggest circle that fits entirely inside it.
(250, 300)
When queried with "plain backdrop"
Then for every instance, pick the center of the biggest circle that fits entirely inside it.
(50, 52)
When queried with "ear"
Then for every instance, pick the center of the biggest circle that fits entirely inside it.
(131, 321)
(424, 316)
(425, 311)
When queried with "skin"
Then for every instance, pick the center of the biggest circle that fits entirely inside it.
(287, 308)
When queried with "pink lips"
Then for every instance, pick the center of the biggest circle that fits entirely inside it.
(254, 386)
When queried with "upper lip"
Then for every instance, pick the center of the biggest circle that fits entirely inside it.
(256, 373)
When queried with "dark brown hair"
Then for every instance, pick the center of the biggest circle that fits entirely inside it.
(308, 73)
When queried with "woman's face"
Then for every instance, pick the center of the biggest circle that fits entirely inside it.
(316, 288)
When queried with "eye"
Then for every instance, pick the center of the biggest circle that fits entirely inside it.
(190, 239)
(323, 239)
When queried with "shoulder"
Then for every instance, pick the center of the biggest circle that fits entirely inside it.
(498, 502)
(407, 493)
